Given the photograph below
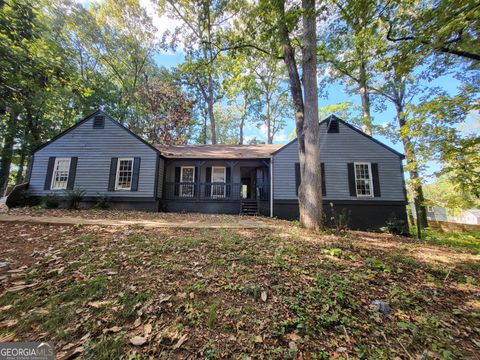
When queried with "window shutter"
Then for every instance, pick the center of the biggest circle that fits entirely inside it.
(208, 180)
(351, 179)
(324, 187)
(72, 172)
(136, 173)
(48, 177)
(228, 179)
(375, 180)
(113, 174)
(177, 180)
(297, 177)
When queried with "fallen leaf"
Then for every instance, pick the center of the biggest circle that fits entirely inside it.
(113, 329)
(6, 307)
(138, 340)
(293, 345)
(137, 322)
(98, 304)
(264, 296)
(147, 329)
(293, 337)
(180, 341)
(258, 339)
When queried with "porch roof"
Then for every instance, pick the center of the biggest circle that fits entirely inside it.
(260, 151)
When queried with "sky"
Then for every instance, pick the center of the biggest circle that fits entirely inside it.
(336, 92)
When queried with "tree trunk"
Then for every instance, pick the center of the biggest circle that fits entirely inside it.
(21, 165)
(7, 150)
(211, 113)
(365, 97)
(311, 190)
(416, 183)
(269, 122)
(306, 116)
(242, 120)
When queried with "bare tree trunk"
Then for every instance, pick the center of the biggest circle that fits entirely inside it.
(306, 115)
(365, 97)
(242, 119)
(416, 183)
(7, 150)
(311, 188)
(269, 122)
(21, 165)
(211, 113)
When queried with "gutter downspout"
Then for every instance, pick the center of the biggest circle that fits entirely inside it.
(271, 186)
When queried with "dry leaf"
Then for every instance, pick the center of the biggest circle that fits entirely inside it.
(264, 296)
(180, 341)
(137, 322)
(138, 340)
(147, 329)
(113, 329)
(258, 339)
(98, 304)
(293, 337)
(6, 307)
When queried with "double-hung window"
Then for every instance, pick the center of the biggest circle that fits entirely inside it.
(219, 175)
(124, 174)
(61, 169)
(187, 179)
(363, 179)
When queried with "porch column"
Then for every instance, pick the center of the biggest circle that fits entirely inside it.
(231, 164)
(198, 175)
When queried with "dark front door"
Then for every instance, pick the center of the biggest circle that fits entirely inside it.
(248, 182)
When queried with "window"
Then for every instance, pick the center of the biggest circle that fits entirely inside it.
(363, 179)
(187, 179)
(429, 208)
(60, 173)
(124, 174)
(98, 122)
(218, 176)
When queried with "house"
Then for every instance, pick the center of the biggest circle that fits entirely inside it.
(362, 177)
(440, 213)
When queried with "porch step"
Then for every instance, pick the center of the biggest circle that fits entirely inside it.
(249, 207)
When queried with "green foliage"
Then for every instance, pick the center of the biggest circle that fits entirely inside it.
(466, 240)
(395, 226)
(449, 194)
(74, 198)
(51, 201)
(103, 202)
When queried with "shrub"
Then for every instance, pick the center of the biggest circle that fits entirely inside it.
(74, 197)
(103, 202)
(395, 226)
(339, 220)
(50, 201)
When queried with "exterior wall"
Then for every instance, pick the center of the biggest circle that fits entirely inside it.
(94, 149)
(360, 215)
(338, 149)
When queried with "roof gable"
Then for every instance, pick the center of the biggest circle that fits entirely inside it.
(86, 119)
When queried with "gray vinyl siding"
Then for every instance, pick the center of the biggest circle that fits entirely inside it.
(94, 149)
(336, 151)
(161, 171)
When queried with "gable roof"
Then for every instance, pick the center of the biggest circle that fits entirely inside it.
(218, 151)
(85, 119)
(332, 117)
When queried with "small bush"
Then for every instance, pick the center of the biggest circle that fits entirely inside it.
(103, 202)
(395, 226)
(50, 201)
(339, 220)
(74, 197)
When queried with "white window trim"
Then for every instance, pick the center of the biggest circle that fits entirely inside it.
(220, 186)
(183, 186)
(370, 179)
(57, 160)
(118, 173)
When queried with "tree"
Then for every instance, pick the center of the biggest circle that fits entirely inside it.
(305, 103)
(446, 193)
(167, 112)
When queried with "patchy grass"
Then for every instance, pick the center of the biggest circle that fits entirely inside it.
(464, 240)
(217, 293)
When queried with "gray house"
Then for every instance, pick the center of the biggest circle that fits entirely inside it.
(362, 177)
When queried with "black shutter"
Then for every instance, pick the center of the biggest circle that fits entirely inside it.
(136, 173)
(72, 172)
(324, 187)
(297, 177)
(208, 180)
(48, 177)
(375, 180)
(228, 179)
(113, 174)
(351, 179)
(176, 189)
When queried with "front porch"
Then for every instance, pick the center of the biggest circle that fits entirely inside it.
(217, 186)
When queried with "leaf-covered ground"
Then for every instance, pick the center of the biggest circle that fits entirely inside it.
(108, 293)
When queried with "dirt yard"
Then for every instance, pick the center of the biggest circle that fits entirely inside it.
(131, 292)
